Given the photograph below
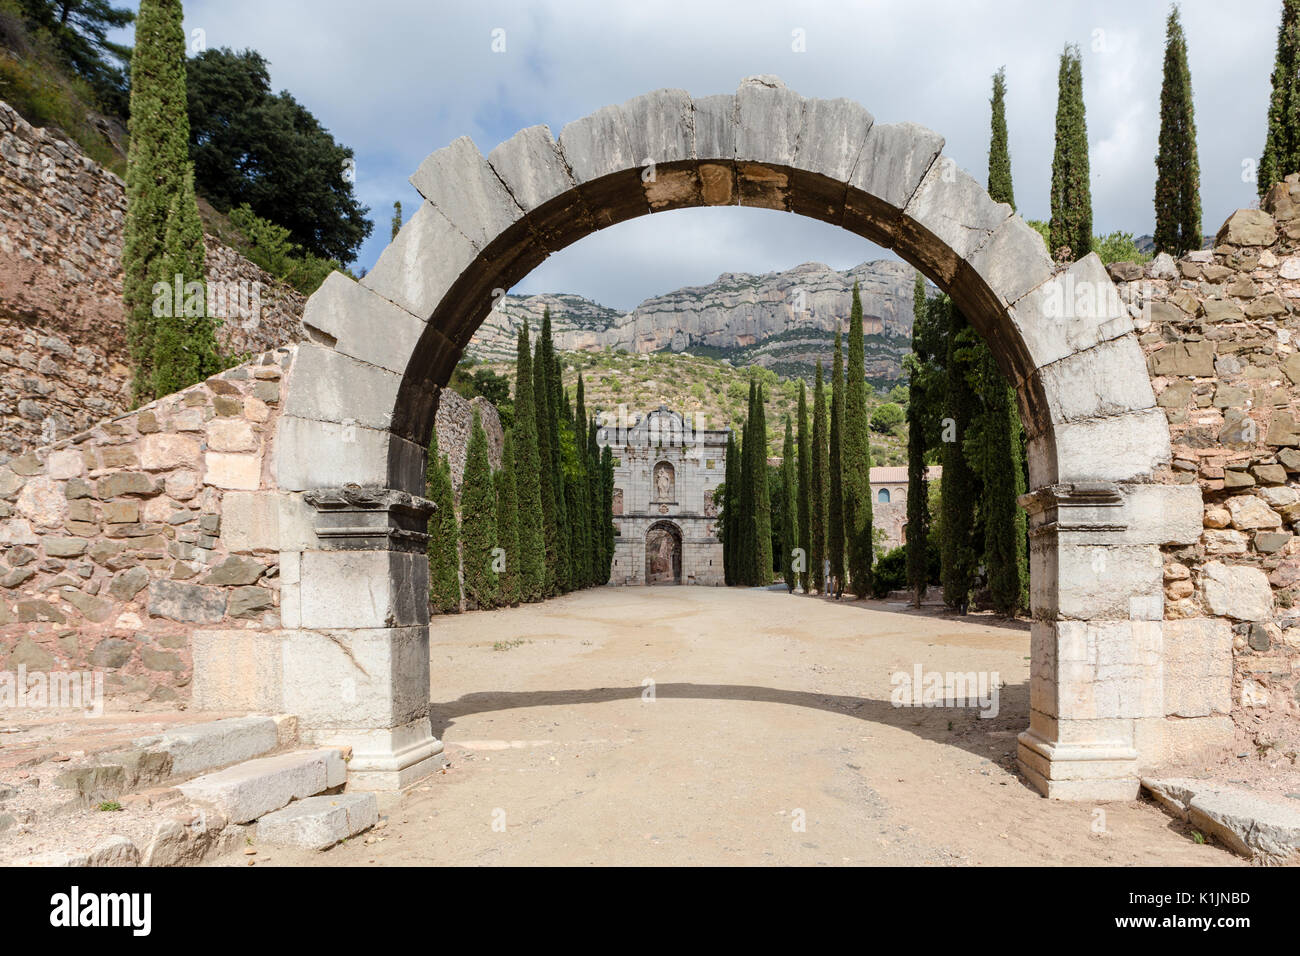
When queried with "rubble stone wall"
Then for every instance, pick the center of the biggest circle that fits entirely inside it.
(63, 359)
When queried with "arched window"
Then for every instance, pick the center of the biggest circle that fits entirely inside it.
(882, 496)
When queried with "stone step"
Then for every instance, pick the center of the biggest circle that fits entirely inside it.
(255, 788)
(199, 747)
(318, 823)
(1246, 823)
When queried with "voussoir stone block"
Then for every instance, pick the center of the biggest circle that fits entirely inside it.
(461, 184)
(949, 217)
(895, 158)
(362, 324)
(769, 118)
(832, 138)
(1011, 263)
(421, 264)
(715, 127)
(598, 145)
(530, 165)
(1119, 448)
(1108, 379)
(1074, 310)
(329, 386)
(660, 126)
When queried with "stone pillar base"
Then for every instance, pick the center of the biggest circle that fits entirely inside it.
(391, 759)
(1094, 771)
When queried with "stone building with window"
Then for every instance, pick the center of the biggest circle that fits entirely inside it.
(665, 519)
(889, 500)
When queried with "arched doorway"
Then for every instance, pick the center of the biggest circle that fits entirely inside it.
(663, 553)
(350, 443)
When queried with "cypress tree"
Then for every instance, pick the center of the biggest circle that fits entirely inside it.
(1000, 189)
(478, 521)
(546, 470)
(790, 515)
(1071, 224)
(184, 340)
(960, 492)
(747, 557)
(1282, 142)
(157, 162)
(762, 497)
(1178, 172)
(804, 441)
(508, 579)
(1004, 520)
(731, 513)
(444, 537)
(594, 496)
(856, 457)
(820, 485)
(555, 400)
(835, 458)
(607, 509)
(532, 545)
(918, 511)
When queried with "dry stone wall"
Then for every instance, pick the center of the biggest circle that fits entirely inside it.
(63, 360)
(114, 543)
(1221, 330)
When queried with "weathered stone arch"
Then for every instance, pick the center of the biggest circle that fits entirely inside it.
(364, 391)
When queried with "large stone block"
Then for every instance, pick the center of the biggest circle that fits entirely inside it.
(237, 670)
(660, 127)
(364, 589)
(195, 748)
(715, 127)
(266, 521)
(251, 789)
(530, 165)
(948, 217)
(422, 263)
(895, 158)
(1198, 667)
(1108, 379)
(1235, 591)
(361, 678)
(314, 454)
(318, 823)
(360, 323)
(833, 134)
(460, 183)
(599, 145)
(1095, 582)
(1120, 448)
(1103, 670)
(769, 118)
(329, 386)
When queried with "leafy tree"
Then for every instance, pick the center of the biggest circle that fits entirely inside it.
(1282, 142)
(478, 521)
(1071, 225)
(803, 440)
(790, 508)
(444, 557)
(157, 165)
(1118, 247)
(857, 457)
(820, 484)
(508, 524)
(269, 151)
(272, 248)
(1178, 172)
(79, 30)
(886, 417)
(1000, 188)
(532, 548)
(835, 496)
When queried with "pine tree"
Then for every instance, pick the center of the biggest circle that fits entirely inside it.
(157, 163)
(1282, 143)
(762, 497)
(731, 513)
(184, 339)
(1071, 224)
(960, 491)
(444, 536)
(532, 546)
(835, 460)
(790, 513)
(820, 485)
(855, 453)
(546, 470)
(918, 511)
(508, 523)
(478, 521)
(1000, 189)
(804, 441)
(1178, 172)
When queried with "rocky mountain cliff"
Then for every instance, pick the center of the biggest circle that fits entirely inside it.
(781, 320)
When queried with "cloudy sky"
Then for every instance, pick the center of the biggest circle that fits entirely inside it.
(397, 79)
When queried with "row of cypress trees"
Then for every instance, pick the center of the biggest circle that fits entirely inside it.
(824, 484)
(541, 524)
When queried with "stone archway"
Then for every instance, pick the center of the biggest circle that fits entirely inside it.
(663, 553)
(350, 444)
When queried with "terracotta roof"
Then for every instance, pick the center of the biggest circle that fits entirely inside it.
(897, 474)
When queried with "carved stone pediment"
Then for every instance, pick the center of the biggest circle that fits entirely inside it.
(367, 518)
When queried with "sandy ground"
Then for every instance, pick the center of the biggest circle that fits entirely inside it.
(770, 739)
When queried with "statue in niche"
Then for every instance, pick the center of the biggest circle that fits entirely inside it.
(618, 501)
(664, 481)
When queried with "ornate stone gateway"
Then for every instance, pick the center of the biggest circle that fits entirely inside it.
(663, 554)
(353, 655)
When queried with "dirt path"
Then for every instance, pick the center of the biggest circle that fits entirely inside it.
(770, 739)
